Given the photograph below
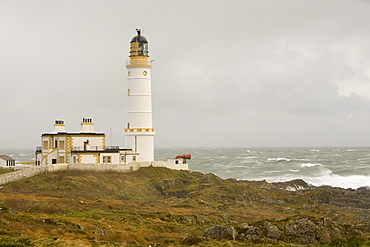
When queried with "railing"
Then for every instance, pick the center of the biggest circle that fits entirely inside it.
(38, 149)
(94, 148)
(111, 147)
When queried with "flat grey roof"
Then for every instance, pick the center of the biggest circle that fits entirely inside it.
(5, 157)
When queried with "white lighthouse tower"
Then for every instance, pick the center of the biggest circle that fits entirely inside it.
(139, 133)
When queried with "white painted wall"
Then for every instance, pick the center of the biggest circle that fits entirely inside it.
(87, 158)
(139, 112)
(78, 141)
(2, 162)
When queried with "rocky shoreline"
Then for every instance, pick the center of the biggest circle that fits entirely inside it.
(303, 229)
(162, 207)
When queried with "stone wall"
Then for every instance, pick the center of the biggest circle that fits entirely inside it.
(33, 171)
(29, 172)
(130, 167)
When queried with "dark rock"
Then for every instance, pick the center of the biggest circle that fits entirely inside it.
(271, 230)
(172, 188)
(251, 233)
(303, 230)
(189, 219)
(163, 185)
(211, 178)
(220, 232)
(344, 198)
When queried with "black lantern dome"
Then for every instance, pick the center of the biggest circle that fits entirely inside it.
(139, 45)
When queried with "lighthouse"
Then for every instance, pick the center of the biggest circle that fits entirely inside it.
(88, 146)
(139, 132)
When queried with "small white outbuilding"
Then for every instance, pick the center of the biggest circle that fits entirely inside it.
(5, 161)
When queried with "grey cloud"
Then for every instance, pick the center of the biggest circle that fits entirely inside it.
(239, 73)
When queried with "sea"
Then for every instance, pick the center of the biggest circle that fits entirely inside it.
(345, 167)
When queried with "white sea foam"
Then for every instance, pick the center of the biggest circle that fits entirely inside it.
(310, 165)
(278, 159)
(248, 157)
(354, 181)
(325, 177)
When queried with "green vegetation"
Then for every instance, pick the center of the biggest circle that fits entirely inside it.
(6, 170)
(162, 207)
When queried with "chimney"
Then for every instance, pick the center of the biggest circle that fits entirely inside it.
(87, 126)
(59, 126)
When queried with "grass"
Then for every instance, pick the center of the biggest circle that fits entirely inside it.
(153, 206)
(4, 170)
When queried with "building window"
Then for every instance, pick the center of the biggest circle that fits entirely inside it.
(106, 159)
(128, 92)
(45, 145)
(61, 144)
(53, 161)
(61, 159)
(133, 158)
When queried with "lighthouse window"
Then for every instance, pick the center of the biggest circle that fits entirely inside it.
(128, 92)
(143, 49)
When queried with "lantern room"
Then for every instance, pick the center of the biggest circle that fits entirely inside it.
(139, 45)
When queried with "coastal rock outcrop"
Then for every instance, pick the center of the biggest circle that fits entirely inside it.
(253, 233)
(220, 232)
(302, 230)
(271, 230)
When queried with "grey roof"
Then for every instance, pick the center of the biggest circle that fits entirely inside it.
(5, 157)
(73, 133)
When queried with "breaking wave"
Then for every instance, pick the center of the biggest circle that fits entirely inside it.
(310, 165)
(278, 159)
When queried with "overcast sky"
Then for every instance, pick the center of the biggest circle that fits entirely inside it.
(226, 73)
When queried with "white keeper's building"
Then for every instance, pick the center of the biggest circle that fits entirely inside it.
(85, 146)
